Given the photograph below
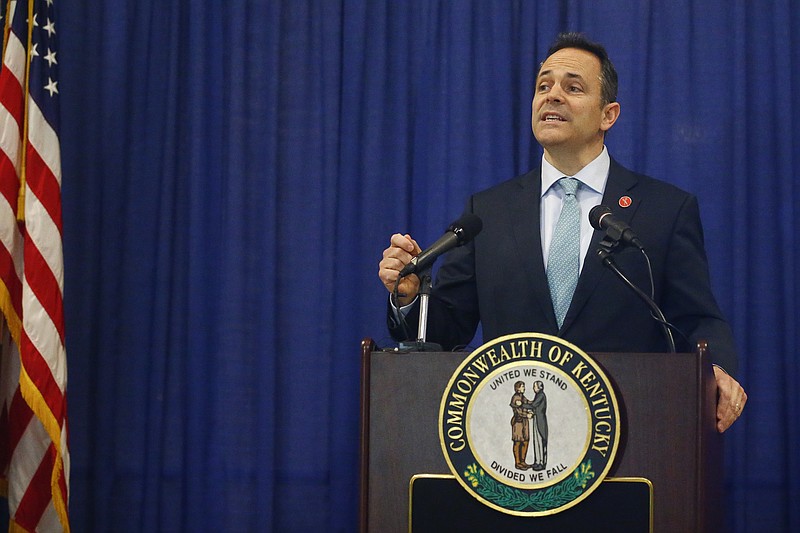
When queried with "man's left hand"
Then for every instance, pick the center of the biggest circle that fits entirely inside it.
(730, 401)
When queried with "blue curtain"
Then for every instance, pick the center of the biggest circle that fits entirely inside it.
(233, 171)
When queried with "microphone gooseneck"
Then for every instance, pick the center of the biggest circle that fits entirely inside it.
(618, 232)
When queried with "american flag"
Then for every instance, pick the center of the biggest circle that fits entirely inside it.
(34, 455)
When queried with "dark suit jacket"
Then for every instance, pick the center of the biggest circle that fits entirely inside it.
(499, 278)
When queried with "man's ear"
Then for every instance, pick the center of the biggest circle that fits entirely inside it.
(610, 115)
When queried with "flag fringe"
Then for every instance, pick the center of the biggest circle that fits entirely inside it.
(12, 319)
(36, 401)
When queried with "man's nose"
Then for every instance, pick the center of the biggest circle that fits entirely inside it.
(555, 94)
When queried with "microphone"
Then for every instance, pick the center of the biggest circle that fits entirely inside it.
(600, 218)
(460, 232)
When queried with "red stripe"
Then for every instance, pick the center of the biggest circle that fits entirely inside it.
(9, 182)
(42, 377)
(41, 180)
(20, 415)
(11, 95)
(37, 496)
(8, 274)
(44, 285)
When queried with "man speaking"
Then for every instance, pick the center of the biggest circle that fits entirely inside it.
(533, 265)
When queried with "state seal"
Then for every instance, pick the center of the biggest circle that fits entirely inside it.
(529, 424)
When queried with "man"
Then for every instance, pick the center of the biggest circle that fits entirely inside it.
(538, 408)
(520, 426)
(501, 277)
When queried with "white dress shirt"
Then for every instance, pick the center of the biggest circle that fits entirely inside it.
(593, 179)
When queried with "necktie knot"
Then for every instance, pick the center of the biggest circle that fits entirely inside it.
(569, 185)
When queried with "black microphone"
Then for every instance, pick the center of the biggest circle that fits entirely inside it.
(600, 218)
(460, 232)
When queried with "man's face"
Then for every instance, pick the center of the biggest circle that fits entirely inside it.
(566, 111)
(521, 389)
(537, 387)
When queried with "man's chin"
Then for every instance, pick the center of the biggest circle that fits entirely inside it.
(550, 138)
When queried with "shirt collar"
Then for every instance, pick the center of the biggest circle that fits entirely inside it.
(593, 175)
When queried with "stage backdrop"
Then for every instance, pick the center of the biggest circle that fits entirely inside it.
(233, 170)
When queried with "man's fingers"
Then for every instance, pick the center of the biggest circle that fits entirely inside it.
(405, 243)
(731, 402)
(402, 248)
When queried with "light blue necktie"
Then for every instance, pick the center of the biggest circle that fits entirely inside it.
(563, 262)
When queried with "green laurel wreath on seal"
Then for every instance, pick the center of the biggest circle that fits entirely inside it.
(518, 500)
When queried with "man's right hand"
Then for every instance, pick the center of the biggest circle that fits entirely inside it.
(400, 253)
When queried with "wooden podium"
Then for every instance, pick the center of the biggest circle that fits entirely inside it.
(668, 418)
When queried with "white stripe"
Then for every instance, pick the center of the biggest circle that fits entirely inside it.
(44, 139)
(49, 520)
(10, 137)
(15, 57)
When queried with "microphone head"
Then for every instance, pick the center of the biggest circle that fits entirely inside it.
(466, 228)
(596, 214)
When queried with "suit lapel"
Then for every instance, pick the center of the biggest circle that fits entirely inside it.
(620, 184)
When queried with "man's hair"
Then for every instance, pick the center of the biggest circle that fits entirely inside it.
(608, 74)
(518, 384)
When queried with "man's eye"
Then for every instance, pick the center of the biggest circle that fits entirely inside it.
(543, 87)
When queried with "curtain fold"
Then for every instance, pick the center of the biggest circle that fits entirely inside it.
(233, 171)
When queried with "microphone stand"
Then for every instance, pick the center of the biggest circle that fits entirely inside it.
(421, 345)
(606, 248)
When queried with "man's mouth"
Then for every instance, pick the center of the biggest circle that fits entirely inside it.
(552, 117)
